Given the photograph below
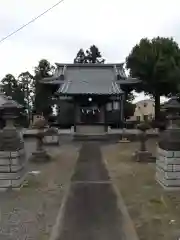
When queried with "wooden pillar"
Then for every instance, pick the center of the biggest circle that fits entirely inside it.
(122, 109)
(120, 105)
(75, 112)
(101, 114)
(105, 119)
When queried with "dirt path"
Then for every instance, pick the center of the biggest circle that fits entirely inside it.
(91, 211)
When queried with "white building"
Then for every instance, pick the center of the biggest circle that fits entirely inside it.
(144, 111)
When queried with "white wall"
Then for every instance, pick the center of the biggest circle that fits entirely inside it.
(144, 108)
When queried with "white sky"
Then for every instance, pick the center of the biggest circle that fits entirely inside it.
(115, 26)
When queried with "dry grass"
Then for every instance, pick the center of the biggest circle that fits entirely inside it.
(156, 213)
(31, 212)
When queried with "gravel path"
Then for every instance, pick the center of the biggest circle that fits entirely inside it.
(30, 213)
(91, 211)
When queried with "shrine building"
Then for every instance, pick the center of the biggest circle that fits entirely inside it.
(92, 88)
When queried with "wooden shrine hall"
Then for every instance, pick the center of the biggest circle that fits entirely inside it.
(91, 88)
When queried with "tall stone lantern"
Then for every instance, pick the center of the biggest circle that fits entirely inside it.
(168, 150)
(12, 154)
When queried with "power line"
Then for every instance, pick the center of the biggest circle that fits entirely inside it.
(33, 20)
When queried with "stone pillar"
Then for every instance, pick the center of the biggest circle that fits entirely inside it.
(13, 161)
(168, 150)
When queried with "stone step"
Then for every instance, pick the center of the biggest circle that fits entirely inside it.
(86, 137)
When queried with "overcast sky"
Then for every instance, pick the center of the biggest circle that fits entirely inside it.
(115, 26)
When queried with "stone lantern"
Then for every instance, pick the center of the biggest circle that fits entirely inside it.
(168, 151)
(12, 154)
(9, 111)
(40, 154)
(143, 155)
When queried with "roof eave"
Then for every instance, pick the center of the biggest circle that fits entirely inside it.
(89, 64)
(128, 81)
(86, 94)
(52, 80)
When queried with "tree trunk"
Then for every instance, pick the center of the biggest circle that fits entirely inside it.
(157, 106)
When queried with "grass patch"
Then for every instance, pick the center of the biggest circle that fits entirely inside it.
(155, 212)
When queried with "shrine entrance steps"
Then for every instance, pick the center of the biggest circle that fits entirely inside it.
(90, 137)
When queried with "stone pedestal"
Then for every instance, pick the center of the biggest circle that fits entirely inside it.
(168, 169)
(51, 137)
(168, 160)
(13, 169)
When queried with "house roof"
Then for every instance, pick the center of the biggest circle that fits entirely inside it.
(97, 79)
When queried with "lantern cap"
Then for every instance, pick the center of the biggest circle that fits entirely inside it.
(9, 103)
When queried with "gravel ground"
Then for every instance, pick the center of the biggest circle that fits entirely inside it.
(30, 213)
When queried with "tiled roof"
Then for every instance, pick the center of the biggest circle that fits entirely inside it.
(89, 78)
(84, 87)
